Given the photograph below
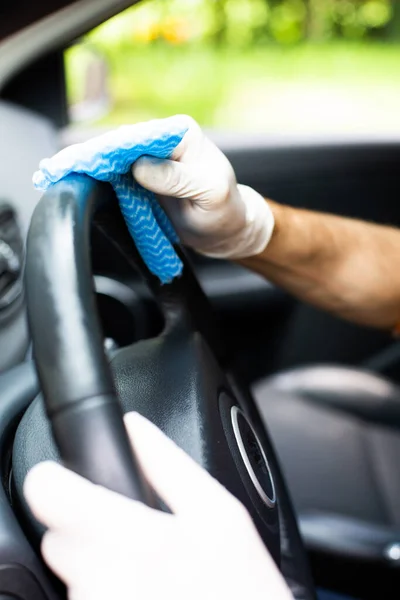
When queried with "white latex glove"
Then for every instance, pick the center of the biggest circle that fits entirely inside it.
(210, 211)
(105, 546)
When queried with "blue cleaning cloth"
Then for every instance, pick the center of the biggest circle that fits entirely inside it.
(109, 157)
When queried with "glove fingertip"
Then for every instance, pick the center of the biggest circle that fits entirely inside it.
(155, 174)
(36, 481)
(39, 181)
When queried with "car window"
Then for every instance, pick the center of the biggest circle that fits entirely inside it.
(263, 66)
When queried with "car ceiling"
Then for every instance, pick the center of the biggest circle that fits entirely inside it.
(17, 15)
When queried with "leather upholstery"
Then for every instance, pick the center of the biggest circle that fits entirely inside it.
(338, 446)
(360, 393)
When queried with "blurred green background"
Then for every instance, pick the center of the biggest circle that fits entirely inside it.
(266, 66)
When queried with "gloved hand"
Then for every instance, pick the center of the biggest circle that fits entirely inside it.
(211, 212)
(104, 546)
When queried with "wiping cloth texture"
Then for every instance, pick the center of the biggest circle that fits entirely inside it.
(109, 157)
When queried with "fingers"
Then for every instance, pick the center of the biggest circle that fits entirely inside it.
(160, 176)
(178, 479)
(53, 493)
(79, 559)
(194, 181)
(62, 500)
(57, 550)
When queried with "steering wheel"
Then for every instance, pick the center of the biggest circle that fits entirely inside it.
(180, 380)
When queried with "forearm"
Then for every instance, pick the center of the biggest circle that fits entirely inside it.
(345, 266)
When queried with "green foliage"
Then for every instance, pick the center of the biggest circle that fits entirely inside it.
(233, 63)
(246, 22)
(260, 89)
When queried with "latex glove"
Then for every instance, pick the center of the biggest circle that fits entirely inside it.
(198, 190)
(104, 546)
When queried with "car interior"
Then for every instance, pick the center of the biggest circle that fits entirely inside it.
(321, 436)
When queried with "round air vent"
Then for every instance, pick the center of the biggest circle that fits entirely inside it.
(253, 457)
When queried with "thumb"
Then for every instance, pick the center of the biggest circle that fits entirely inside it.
(179, 180)
(181, 482)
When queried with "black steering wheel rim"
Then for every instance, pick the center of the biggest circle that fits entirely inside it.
(75, 376)
(74, 373)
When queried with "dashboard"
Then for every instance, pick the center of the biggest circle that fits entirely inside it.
(24, 139)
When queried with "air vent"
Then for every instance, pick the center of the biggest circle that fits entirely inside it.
(253, 457)
(11, 258)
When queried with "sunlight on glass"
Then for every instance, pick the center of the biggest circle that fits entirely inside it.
(264, 66)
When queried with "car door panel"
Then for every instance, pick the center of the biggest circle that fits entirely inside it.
(355, 179)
